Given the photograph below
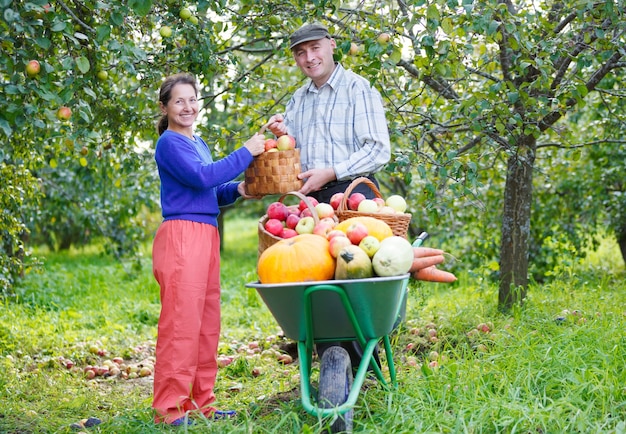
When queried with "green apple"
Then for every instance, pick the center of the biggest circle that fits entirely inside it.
(185, 13)
(102, 75)
(396, 202)
(370, 245)
(166, 31)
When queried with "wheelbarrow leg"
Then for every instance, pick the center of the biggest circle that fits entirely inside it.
(335, 384)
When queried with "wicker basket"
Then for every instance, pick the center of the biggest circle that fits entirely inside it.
(399, 223)
(265, 238)
(273, 172)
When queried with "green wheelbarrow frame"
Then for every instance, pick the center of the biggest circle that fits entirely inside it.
(365, 310)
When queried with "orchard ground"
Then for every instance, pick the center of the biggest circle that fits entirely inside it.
(555, 365)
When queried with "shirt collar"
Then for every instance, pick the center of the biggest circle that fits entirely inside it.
(334, 79)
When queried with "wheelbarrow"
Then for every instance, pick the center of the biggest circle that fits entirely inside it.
(365, 310)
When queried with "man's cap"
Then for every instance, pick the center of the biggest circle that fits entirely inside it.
(308, 32)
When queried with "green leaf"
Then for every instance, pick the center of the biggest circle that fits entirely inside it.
(141, 7)
(43, 42)
(83, 64)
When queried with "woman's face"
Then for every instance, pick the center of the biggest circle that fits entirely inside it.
(182, 108)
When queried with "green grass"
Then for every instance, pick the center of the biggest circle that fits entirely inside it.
(556, 365)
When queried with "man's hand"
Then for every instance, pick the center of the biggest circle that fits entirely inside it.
(316, 179)
(276, 125)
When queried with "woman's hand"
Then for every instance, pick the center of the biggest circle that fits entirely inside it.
(241, 188)
(256, 144)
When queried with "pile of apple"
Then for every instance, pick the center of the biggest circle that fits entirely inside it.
(286, 221)
(394, 204)
(282, 143)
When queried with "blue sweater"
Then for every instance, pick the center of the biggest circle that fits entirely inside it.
(193, 186)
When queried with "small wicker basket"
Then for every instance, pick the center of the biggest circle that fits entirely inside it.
(265, 238)
(273, 172)
(399, 223)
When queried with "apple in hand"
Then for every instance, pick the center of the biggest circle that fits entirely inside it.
(274, 227)
(335, 199)
(305, 225)
(336, 244)
(292, 221)
(356, 232)
(396, 202)
(367, 205)
(324, 210)
(354, 200)
(278, 211)
(370, 245)
(285, 142)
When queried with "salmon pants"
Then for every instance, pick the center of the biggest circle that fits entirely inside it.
(186, 264)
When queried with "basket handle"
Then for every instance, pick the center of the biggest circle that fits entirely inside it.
(264, 127)
(305, 200)
(343, 206)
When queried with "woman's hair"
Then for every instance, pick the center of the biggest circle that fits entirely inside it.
(165, 94)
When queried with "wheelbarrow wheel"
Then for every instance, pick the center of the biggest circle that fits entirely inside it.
(334, 385)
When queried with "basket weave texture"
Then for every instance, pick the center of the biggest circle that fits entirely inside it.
(273, 173)
(399, 223)
(265, 238)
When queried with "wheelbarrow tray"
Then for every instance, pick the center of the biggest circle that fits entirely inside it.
(376, 303)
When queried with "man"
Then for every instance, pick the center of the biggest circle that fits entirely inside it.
(339, 125)
(337, 119)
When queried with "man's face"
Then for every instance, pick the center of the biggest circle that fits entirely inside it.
(315, 59)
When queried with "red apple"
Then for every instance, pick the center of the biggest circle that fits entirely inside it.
(306, 213)
(335, 199)
(302, 205)
(289, 233)
(379, 201)
(33, 68)
(329, 220)
(274, 227)
(293, 209)
(354, 200)
(305, 225)
(324, 210)
(292, 221)
(356, 232)
(336, 244)
(278, 211)
(323, 228)
(270, 144)
(285, 142)
(64, 113)
(335, 233)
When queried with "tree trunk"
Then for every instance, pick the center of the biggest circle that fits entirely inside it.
(621, 240)
(516, 225)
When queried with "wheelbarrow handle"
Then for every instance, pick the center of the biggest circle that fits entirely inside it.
(420, 239)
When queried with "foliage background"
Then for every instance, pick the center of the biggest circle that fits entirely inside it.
(454, 114)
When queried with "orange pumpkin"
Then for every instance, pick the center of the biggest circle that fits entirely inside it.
(375, 227)
(302, 258)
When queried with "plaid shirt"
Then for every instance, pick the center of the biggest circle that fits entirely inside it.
(340, 125)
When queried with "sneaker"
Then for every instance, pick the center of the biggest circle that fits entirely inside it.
(226, 414)
(182, 421)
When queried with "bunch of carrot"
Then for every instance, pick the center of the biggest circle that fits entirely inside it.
(424, 267)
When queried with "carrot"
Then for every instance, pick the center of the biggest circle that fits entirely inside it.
(421, 252)
(419, 263)
(433, 274)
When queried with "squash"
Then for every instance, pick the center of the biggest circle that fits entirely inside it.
(302, 258)
(394, 257)
(375, 227)
(353, 263)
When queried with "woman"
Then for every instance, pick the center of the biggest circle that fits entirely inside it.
(186, 253)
